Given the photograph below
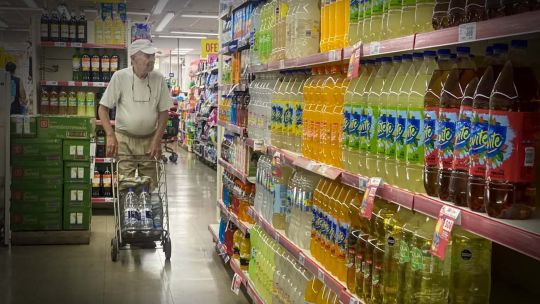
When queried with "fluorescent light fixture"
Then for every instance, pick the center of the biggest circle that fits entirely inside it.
(158, 9)
(182, 37)
(128, 12)
(199, 16)
(3, 24)
(195, 33)
(182, 50)
(30, 3)
(163, 23)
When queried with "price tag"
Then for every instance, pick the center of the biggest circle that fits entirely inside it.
(366, 209)
(84, 84)
(52, 83)
(76, 44)
(354, 300)
(362, 183)
(99, 84)
(374, 48)
(311, 165)
(281, 64)
(71, 83)
(236, 283)
(447, 217)
(354, 62)
(250, 292)
(467, 32)
(320, 275)
(332, 56)
(322, 170)
(276, 236)
(258, 145)
(60, 44)
(301, 259)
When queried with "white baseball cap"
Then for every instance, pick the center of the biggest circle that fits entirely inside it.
(143, 45)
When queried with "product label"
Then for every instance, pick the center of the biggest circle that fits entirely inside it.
(417, 259)
(107, 180)
(396, 4)
(478, 142)
(105, 64)
(399, 134)
(390, 147)
(72, 32)
(404, 252)
(368, 137)
(54, 30)
(463, 134)
(353, 17)
(44, 30)
(354, 128)
(366, 208)
(114, 64)
(76, 63)
(81, 31)
(430, 136)
(85, 63)
(413, 136)
(346, 125)
(342, 235)
(64, 31)
(95, 64)
(298, 121)
(72, 101)
(351, 250)
(443, 229)
(381, 131)
(63, 101)
(511, 146)
(446, 132)
(287, 118)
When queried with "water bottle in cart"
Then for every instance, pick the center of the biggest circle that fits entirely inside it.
(145, 210)
(131, 213)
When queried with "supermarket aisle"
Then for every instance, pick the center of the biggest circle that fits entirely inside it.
(85, 274)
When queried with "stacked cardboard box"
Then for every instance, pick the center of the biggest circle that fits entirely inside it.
(51, 163)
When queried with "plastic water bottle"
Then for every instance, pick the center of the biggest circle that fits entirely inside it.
(131, 214)
(145, 210)
(157, 222)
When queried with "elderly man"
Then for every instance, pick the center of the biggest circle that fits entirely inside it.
(142, 102)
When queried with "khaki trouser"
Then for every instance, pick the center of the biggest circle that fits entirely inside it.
(133, 150)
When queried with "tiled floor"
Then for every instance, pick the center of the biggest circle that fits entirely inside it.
(86, 274)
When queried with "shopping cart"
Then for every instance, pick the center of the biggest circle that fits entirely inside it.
(125, 238)
(171, 136)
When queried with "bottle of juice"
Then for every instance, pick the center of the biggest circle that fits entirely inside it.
(81, 103)
(325, 26)
(367, 121)
(245, 252)
(511, 188)
(95, 67)
(360, 26)
(353, 21)
(366, 25)
(375, 27)
(440, 14)
(347, 111)
(401, 120)
(313, 288)
(494, 9)
(456, 12)
(392, 117)
(85, 66)
(377, 272)
(237, 240)
(431, 115)
(408, 12)
(318, 120)
(414, 137)
(460, 164)
(377, 130)
(342, 23)
(307, 24)
(427, 277)
(393, 22)
(329, 101)
(90, 104)
(53, 102)
(357, 224)
(478, 142)
(44, 102)
(471, 268)
(342, 83)
(384, 29)
(424, 11)
(76, 65)
(72, 103)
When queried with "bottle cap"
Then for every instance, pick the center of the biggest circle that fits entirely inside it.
(443, 52)
(396, 58)
(418, 55)
(378, 60)
(499, 48)
(386, 59)
(430, 53)
(406, 56)
(130, 189)
(519, 44)
(463, 50)
(489, 50)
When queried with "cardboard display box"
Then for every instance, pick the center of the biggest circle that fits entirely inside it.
(76, 149)
(36, 149)
(65, 127)
(77, 218)
(77, 172)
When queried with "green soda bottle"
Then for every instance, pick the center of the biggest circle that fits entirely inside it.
(90, 104)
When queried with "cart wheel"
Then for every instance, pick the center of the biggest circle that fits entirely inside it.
(167, 248)
(115, 252)
(173, 158)
(164, 159)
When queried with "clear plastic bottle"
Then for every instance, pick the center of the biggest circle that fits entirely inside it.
(408, 12)
(440, 14)
(90, 104)
(131, 213)
(376, 22)
(366, 28)
(307, 23)
(353, 21)
(145, 210)
(393, 22)
(366, 118)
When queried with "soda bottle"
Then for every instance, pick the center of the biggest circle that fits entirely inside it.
(460, 164)
(72, 103)
(105, 63)
(81, 103)
(475, 10)
(86, 65)
(456, 12)
(114, 62)
(73, 28)
(90, 104)
(414, 135)
(95, 68)
(336, 124)
(131, 213)
(144, 206)
(423, 15)
(100, 143)
(45, 26)
(341, 23)
(360, 26)
(64, 28)
(366, 119)
(431, 115)
(96, 184)
(408, 12)
(54, 27)
(385, 147)
(384, 29)
(245, 252)
(510, 189)
(366, 24)
(44, 102)
(53, 102)
(353, 21)
(82, 29)
(107, 187)
(76, 65)
(471, 268)
(377, 7)
(393, 22)
(478, 142)
(440, 14)
(347, 118)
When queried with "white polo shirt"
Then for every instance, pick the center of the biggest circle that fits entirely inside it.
(138, 101)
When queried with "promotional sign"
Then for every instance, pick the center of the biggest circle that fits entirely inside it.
(209, 47)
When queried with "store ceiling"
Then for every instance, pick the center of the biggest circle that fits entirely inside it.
(16, 13)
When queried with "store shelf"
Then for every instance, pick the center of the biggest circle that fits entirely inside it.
(66, 83)
(401, 44)
(520, 235)
(227, 89)
(312, 60)
(246, 281)
(232, 128)
(214, 231)
(103, 160)
(49, 44)
(98, 122)
(243, 226)
(102, 200)
(305, 259)
(231, 169)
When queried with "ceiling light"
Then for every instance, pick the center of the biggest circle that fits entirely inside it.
(180, 50)
(129, 13)
(195, 33)
(158, 9)
(30, 3)
(163, 23)
(182, 37)
(199, 16)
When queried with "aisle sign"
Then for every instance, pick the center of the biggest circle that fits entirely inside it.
(366, 209)
(354, 62)
(209, 47)
(236, 283)
(447, 217)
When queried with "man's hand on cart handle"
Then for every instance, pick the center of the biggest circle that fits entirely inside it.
(155, 148)
(112, 145)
